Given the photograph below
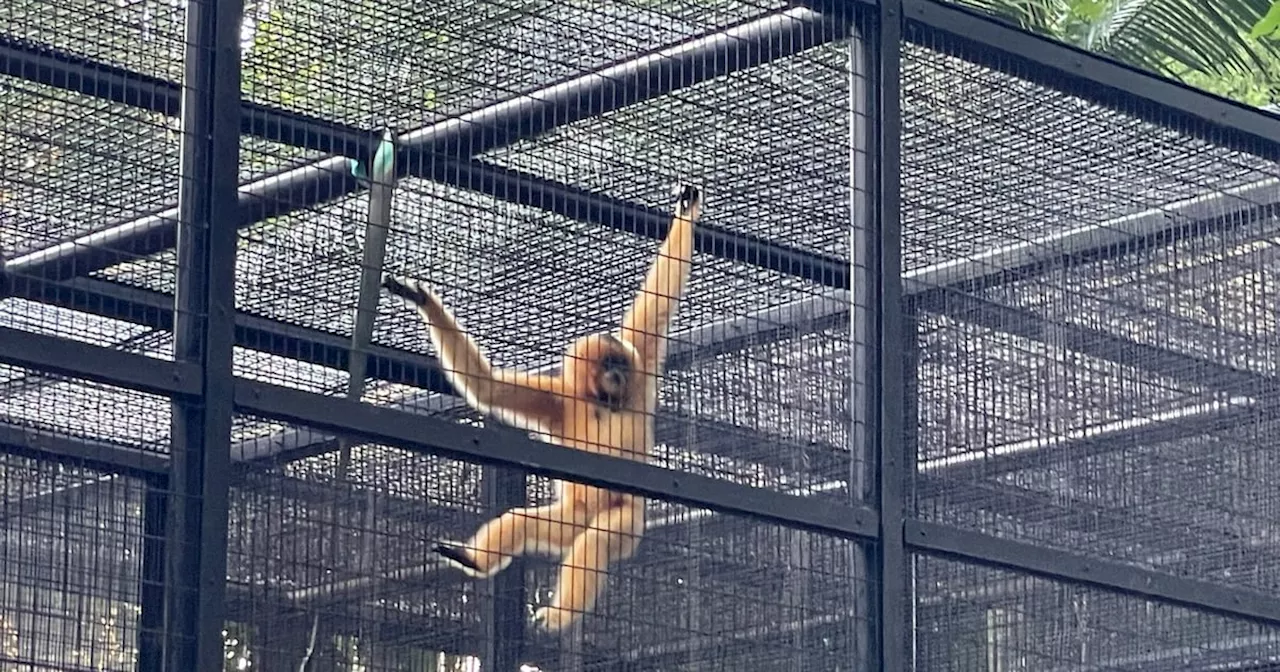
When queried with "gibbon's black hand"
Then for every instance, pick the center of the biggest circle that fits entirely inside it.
(397, 288)
(687, 197)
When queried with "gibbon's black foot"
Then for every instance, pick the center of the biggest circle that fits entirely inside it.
(687, 197)
(456, 555)
(410, 291)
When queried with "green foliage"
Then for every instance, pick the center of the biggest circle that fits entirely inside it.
(1211, 45)
(303, 54)
(1088, 10)
(1256, 89)
(1269, 24)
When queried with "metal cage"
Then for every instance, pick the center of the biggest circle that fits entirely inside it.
(975, 369)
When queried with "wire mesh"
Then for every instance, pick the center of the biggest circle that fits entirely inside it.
(977, 618)
(1110, 393)
(261, 162)
(90, 172)
(511, 275)
(41, 402)
(1095, 325)
(78, 164)
(347, 551)
(71, 550)
(408, 65)
(141, 35)
(526, 281)
(771, 141)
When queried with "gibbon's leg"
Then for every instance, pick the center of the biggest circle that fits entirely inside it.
(525, 400)
(613, 536)
(647, 322)
(543, 529)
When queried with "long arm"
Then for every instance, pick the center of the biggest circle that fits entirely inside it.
(526, 400)
(647, 322)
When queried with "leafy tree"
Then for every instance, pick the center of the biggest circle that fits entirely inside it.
(1221, 46)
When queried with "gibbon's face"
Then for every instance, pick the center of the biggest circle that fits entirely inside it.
(603, 370)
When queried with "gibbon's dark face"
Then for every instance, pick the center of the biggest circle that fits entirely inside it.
(606, 370)
(613, 374)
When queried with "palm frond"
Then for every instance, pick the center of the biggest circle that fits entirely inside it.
(1113, 22)
(1036, 16)
(1175, 38)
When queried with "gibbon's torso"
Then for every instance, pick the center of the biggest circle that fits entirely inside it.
(611, 399)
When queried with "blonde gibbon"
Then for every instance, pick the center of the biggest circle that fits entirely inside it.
(602, 400)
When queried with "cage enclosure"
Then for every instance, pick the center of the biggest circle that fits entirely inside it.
(974, 369)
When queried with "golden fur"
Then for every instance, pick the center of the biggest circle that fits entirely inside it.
(602, 400)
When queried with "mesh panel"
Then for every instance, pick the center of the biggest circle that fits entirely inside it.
(43, 402)
(79, 164)
(144, 35)
(1109, 391)
(758, 382)
(71, 547)
(42, 318)
(503, 270)
(989, 159)
(352, 546)
(408, 65)
(975, 618)
(772, 142)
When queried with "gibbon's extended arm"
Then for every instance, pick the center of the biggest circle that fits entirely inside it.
(526, 400)
(647, 322)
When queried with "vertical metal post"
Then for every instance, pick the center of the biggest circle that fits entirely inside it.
(890, 566)
(151, 593)
(864, 402)
(196, 543)
(908, 366)
(504, 613)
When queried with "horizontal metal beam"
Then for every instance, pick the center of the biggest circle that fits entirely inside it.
(1116, 577)
(457, 441)
(770, 324)
(155, 310)
(415, 574)
(63, 356)
(671, 652)
(62, 69)
(99, 455)
(746, 45)
(1024, 260)
(1109, 437)
(1003, 47)
(575, 203)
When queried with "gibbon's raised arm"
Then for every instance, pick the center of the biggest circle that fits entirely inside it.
(647, 321)
(526, 400)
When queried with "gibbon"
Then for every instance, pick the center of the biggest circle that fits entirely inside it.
(602, 400)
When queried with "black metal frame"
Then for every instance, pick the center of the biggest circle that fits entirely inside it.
(885, 261)
(186, 503)
(197, 507)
